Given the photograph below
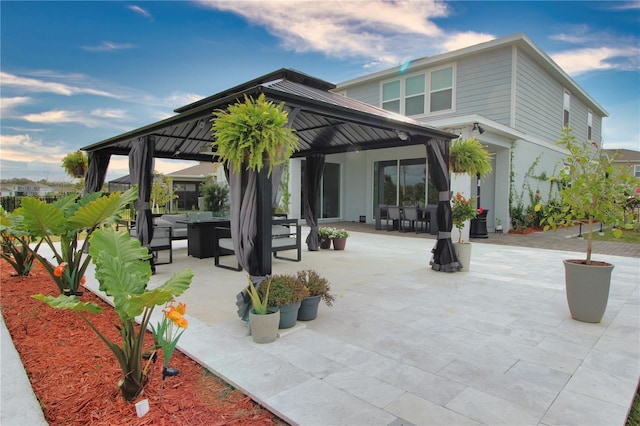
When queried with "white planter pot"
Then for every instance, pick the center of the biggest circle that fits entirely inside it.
(463, 252)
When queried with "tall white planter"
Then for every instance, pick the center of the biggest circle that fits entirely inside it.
(461, 182)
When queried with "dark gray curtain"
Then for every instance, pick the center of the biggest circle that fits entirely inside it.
(444, 257)
(141, 171)
(98, 164)
(314, 168)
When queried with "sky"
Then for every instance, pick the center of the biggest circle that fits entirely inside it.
(77, 72)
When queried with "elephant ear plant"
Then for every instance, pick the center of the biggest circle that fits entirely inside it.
(68, 219)
(14, 244)
(124, 276)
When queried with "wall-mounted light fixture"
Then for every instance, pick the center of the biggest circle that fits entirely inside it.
(402, 135)
(477, 128)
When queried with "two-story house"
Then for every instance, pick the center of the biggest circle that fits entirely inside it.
(507, 93)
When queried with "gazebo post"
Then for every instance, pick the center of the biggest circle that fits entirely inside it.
(264, 215)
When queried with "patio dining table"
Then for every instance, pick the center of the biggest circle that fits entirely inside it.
(428, 212)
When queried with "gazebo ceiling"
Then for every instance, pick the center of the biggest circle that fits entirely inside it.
(324, 121)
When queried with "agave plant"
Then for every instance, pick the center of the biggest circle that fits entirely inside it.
(67, 219)
(124, 277)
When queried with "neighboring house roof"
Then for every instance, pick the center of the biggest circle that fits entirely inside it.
(201, 170)
(324, 121)
(624, 155)
(520, 40)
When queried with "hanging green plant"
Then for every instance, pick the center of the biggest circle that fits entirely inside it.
(469, 156)
(252, 132)
(75, 164)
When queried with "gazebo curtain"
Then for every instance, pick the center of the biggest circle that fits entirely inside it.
(444, 257)
(314, 169)
(98, 164)
(141, 170)
(243, 187)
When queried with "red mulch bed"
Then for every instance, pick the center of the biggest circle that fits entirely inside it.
(525, 231)
(75, 376)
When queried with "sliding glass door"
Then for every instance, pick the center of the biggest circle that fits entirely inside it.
(329, 197)
(402, 183)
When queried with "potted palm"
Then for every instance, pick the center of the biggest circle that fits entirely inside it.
(287, 292)
(262, 319)
(462, 210)
(319, 289)
(592, 190)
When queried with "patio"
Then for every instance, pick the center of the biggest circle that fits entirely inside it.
(404, 344)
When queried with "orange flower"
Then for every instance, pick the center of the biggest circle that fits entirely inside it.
(173, 315)
(83, 281)
(182, 308)
(182, 322)
(59, 270)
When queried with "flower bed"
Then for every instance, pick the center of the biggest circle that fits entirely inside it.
(74, 375)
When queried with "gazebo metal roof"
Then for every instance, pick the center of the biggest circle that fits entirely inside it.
(324, 121)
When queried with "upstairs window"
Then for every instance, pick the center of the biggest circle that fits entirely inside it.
(414, 95)
(566, 106)
(441, 90)
(589, 124)
(391, 96)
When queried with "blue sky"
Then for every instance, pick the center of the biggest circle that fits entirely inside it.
(75, 73)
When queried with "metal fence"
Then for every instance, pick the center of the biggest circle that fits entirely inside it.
(10, 203)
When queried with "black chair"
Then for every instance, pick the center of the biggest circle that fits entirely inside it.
(393, 214)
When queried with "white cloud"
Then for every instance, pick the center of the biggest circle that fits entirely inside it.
(583, 60)
(61, 116)
(139, 10)
(23, 148)
(375, 30)
(38, 85)
(108, 46)
(109, 113)
(7, 105)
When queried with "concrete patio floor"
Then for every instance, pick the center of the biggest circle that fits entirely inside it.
(404, 344)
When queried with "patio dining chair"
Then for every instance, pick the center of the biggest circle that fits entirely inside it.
(393, 214)
(410, 214)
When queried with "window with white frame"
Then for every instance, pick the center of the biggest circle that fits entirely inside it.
(589, 124)
(419, 94)
(414, 95)
(441, 90)
(391, 96)
(566, 106)
(637, 171)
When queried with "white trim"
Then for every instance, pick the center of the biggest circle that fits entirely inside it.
(514, 85)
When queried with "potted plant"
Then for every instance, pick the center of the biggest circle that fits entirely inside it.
(339, 238)
(462, 210)
(319, 289)
(469, 158)
(592, 190)
(287, 292)
(75, 164)
(324, 234)
(253, 132)
(263, 321)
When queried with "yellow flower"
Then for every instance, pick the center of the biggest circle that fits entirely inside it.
(538, 207)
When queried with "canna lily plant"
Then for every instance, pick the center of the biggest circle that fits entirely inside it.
(66, 220)
(123, 275)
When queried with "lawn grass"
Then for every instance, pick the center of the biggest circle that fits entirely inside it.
(628, 236)
(634, 414)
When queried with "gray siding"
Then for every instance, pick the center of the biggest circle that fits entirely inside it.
(538, 100)
(369, 93)
(484, 85)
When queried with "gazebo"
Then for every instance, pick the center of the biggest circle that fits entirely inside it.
(324, 122)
